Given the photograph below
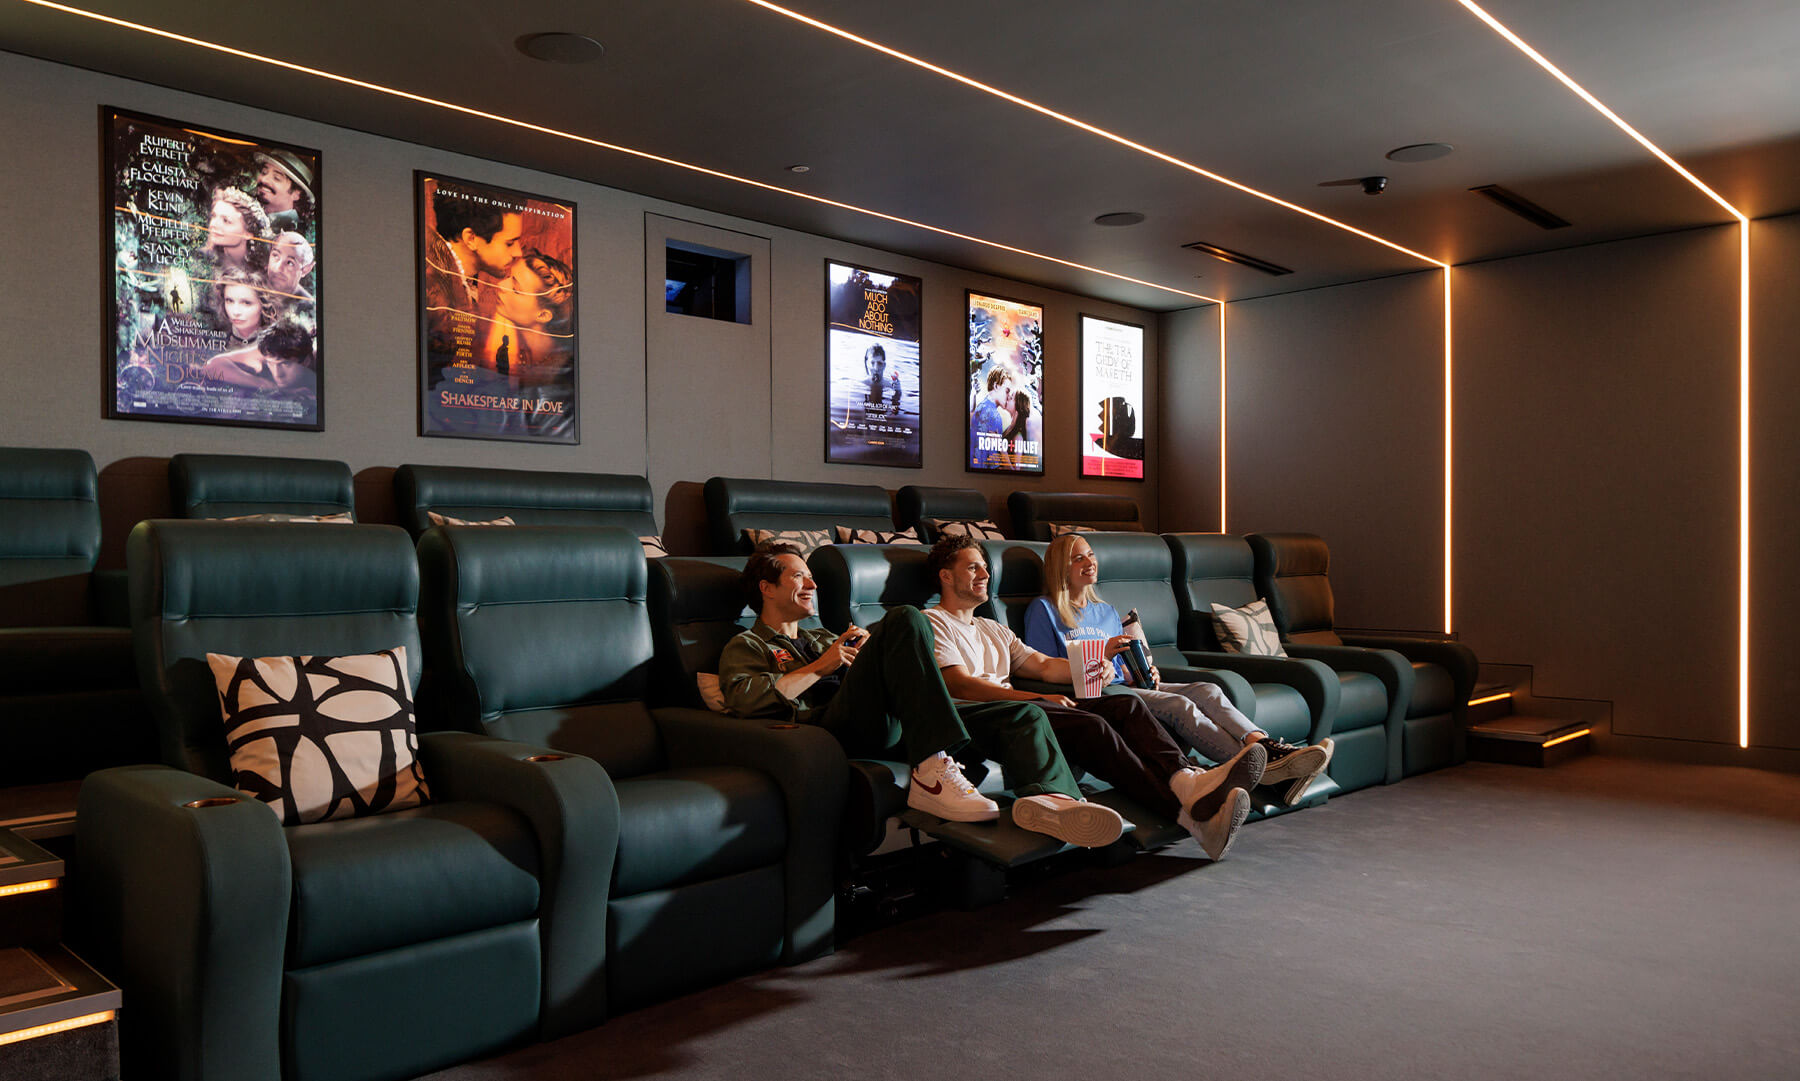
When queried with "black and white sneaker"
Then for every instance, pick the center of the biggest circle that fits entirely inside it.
(1296, 764)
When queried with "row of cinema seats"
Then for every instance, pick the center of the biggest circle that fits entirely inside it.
(67, 683)
(597, 840)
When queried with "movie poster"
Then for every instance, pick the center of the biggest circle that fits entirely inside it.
(1113, 425)
(215, 273)
(1006, 386)
(497, 332)
(871, 367)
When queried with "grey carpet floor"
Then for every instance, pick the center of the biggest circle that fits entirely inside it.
(1608, 918)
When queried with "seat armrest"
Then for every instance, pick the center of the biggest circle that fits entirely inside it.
(1458, 658)
(574, 812)
(1316, 683)
(1038, 686)
(1395, 673)
(186, 909)
(813, 774)
(1235, 686)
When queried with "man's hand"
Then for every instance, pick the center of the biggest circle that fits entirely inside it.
(842, 651)
(1062, 700)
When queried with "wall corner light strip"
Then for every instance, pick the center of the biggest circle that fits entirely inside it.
(1743, 221)
(1114, 137)
(1222, 400)
(644, 155)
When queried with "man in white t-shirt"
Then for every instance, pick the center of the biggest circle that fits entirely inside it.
(1113, 737)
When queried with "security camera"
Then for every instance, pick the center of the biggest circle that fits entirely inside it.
(1374, 185)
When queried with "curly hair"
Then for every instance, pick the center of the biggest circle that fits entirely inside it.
(256, 225)
(943, 553)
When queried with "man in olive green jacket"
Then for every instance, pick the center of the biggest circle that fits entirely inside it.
(878, 689)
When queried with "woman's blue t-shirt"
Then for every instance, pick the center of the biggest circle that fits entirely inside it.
(1045, 632)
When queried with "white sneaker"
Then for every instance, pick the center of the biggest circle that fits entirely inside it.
(1072, 821)
(939, 788)
(1242, 770)
(1216, 833)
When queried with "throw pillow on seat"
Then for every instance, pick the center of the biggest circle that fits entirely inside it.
(851, 535)
(1249, 630)
(980, 530)
(319, 738)
(807, 540)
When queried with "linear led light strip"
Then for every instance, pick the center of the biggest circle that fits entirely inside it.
(1045, 110)
(54, 1027)
(1092, 129)
(1743, 350)
(603, 145)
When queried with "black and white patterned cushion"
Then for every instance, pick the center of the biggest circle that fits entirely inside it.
(1249, 630)
(318, 738)
(951, 527)
(445, 519)
(807, 540)
(342, 518)
(852, 535)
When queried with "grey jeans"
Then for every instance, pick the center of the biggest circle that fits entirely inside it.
(1199, 715)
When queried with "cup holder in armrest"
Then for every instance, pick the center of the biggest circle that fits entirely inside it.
(546, 757)
(212, 801)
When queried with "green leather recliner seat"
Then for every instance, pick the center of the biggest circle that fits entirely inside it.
(1294, 700)
(1431, 679)
(726, 827)
(69, 698)
(234, 485)
(528, 496)
(1034, 512)
(377, 947)
(917, 504)
(1213, 568)
(734, 504)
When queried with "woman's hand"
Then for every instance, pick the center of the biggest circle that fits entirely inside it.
(1118, 645)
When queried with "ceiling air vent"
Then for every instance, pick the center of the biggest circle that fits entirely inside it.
(1238, 257)
(1523, 207)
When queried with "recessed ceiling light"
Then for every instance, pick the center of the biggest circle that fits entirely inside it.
(561, 48)
(1120, 217)
(799, 168)
(1420, 152)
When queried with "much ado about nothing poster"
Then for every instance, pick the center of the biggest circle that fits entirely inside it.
(872, 367)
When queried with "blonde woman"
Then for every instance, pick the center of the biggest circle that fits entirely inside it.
(1198, 714)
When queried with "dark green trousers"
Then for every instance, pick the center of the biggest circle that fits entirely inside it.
(894, 698)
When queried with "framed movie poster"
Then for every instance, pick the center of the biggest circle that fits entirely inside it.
(1006, 386)
(497, 331)
(214, 266)
(1113, 424)
(871, 367)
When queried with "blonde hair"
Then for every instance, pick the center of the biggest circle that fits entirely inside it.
(1057, 560)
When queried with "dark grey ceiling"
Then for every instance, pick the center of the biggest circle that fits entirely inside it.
(1278, 94)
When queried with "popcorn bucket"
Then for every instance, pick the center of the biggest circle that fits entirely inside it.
(1090, 650)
